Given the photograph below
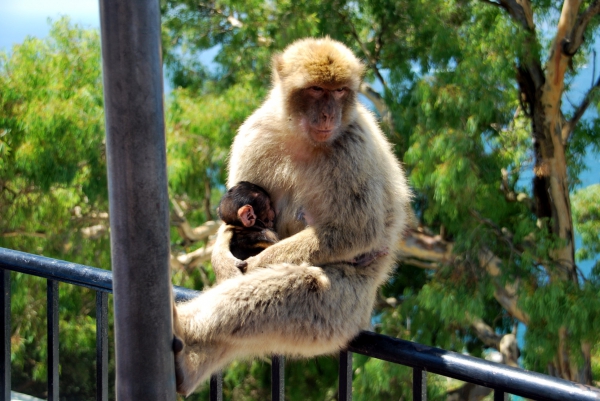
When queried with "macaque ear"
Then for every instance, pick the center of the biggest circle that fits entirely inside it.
(247, 216)
(277, 68)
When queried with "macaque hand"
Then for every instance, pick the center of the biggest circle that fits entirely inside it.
(252, 263)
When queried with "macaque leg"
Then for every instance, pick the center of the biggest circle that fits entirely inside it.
(284, 309)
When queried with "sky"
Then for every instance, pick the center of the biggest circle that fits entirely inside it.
(20, 18)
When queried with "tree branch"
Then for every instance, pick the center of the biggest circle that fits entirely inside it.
(375, 98)
(520, 10)
(485, 333)
(94, 232)
(506, 295)
(507, 298)
(510, 195)
(19, 233)
(193, 259)
(571, 44)
(419, 246)
(501, 233)
(432, 251)
(234, 22)
(569, 127)
(379, 39)
(493, 3)
(372, 61)
(506, 344)
(200, 233)
(386, 116)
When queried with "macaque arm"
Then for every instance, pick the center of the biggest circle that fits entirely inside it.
(224, 263)
(308, 246)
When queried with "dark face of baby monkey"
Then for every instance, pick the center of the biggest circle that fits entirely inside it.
(247, 208)
(247, 205)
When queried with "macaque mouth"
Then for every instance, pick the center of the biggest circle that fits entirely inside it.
(322, 135)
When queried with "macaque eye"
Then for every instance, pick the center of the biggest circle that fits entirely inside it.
(340, 89)
(316, 88)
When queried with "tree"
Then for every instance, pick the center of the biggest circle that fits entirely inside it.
(53, 195)
(474, 94)
(556, 139)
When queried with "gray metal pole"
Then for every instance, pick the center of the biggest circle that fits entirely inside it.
(139, 215)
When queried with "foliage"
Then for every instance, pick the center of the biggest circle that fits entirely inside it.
(446, 73)
(200, 131)
(53, 187)
(586, 214)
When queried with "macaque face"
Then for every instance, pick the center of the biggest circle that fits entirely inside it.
(322, 108)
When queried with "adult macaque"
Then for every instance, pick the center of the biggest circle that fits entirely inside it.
(339, 194)
(246, 209)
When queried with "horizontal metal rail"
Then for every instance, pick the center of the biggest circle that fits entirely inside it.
(505, 378)
(56, 271)
(72, 273)
(423, 359)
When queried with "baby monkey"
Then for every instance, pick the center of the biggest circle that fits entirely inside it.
(247, 209)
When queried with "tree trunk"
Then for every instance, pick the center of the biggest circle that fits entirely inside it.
(550, 164)
(542, 90)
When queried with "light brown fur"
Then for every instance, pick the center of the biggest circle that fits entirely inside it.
(352, 192)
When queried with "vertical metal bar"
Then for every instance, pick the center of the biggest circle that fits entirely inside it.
(345, 376)
(277, 378)
(5, 333)
(101, 346)
(500, 395)
(138, 199)
(419, 384)
(216, 387)
(52, 313)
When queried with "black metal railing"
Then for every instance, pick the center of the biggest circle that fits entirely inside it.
(57, 271)
(423, 359)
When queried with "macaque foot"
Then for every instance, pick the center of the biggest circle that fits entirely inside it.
(367, 258)
(195, 358)
(177, 345)
(178, 350)
(195, 362)
(184, 372)
(178, 353)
